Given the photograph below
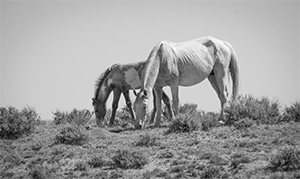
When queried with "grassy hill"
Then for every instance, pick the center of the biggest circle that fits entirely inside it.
(263, 144)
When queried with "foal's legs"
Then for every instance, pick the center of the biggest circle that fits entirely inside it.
(116, 99)
(129, 104)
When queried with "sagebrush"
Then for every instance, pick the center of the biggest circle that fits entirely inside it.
(287, 159)
(261, 110)
(71, 134)
(126, 159)
(292, 113)
(147, 141)
(191, 119)
(79, 117)
(15, 123)
(183, 123)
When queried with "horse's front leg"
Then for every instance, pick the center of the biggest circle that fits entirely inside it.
(154, 109)
(167, 102)
(158, 94)
(115, 103)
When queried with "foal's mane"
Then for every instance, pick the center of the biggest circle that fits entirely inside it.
(101, 78)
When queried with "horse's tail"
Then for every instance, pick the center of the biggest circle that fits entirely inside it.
(234, 71)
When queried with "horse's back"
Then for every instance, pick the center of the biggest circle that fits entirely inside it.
(192, 59)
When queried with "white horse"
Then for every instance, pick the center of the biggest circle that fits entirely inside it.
(187, 64)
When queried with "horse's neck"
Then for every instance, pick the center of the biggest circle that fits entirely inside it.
(150, 71)
(103, 94)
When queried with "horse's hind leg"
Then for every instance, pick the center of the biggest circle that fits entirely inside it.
(129, 104)
(222, 79)
(214, 84)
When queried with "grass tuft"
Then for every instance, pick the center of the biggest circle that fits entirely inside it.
(80, 166)
(183, 123)
(211, 171)
(72, 135)
(243, 123)
(98, 162)
(147, 141)
(287, 159)
(126, 159)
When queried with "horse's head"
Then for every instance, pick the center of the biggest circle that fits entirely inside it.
(100, 111)
(140, 105)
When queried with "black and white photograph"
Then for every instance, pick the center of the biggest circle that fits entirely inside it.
(163, 89)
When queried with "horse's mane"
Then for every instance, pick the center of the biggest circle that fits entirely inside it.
(101, 78)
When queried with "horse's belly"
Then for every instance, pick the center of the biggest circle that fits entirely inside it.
(192, 75)
(190, 80)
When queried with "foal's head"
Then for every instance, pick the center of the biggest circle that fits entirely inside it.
(100, 111)
(102, 91)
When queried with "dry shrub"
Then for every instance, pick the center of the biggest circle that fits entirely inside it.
(15, 123)
(188, 119)
(243, 123)
(287, 159)
(191, 119)
(147, 141)
(78, 117)
(262, 111)
(99, 161)
(71, 134)
(292, 113)
(183, 123)
(126, 159)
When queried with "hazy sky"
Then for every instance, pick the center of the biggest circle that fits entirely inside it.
(52, 52)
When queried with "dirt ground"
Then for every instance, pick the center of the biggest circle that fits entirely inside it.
(220, 152)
